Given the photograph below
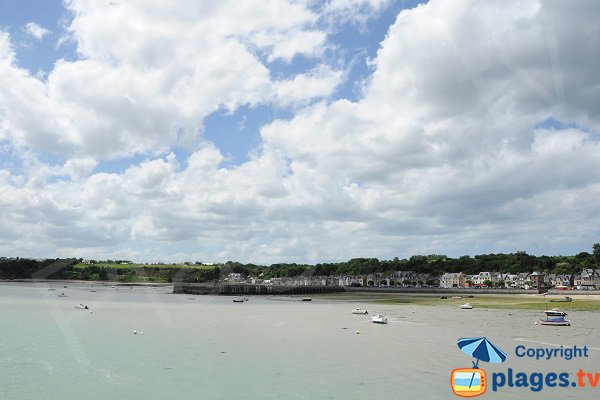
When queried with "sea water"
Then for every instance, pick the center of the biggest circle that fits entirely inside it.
(207, 347)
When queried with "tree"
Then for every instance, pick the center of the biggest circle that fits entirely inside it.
(596, 252)
(488, 283)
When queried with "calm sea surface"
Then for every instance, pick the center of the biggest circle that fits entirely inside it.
(266, 348)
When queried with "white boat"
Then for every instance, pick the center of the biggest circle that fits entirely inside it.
(379, 319)
(81, 306)
(466, 306)
(238, 300)
(61, 295)
(359, 311)
(555, 312)
(556, 321)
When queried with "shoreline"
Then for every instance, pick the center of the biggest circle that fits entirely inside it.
(90, 283)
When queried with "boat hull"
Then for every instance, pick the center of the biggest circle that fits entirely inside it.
(555, 323)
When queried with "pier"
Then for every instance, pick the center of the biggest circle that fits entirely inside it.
(250, 289)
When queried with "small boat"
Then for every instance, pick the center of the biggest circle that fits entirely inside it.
(93, 291)
(238, 300)
(359, 311)
(61, 295)
(557, 321)
(82, 307)
(555, 312)
(456, 297)
(306, 299)
(466, 306)
(567, 299)
(379, 319)
(52, 289)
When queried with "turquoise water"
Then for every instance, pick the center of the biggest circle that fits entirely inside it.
(267, 348)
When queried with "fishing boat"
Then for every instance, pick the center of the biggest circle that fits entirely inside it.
(466, 306)
(379, 319)
(555, 321)
(566, 299)
(359, 311)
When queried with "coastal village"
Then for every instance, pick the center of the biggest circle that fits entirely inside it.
(588, 279)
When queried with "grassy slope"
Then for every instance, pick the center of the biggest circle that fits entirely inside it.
(124, 266)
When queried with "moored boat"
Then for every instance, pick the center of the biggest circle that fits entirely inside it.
(466, 306)
(556, 321)
(379, 319)
(359, 311)
(566, 299)
(238, 300)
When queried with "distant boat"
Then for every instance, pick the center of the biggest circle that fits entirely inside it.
(466, 306)
(359, 311)
(555, 312)
(238, 300)
(456, 297)
(81, 306)
(567, 299)
(306, 299)
(52, 289)
(556, 321)
(61, 295)
(379, 319)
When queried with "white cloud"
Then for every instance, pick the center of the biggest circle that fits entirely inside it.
(150, 72)
(36, 30)
(444, 153)
(339, 12)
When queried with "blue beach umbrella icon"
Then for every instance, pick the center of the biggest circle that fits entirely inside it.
(482, 349)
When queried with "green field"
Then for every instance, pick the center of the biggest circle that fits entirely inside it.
(477, 301)
(137, 266)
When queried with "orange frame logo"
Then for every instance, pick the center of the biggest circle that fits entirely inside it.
(468, 382)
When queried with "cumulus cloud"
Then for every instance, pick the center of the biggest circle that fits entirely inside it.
(477, 132)
(37, 31)
(149, 73)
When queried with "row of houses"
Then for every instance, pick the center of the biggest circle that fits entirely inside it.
(588, 279)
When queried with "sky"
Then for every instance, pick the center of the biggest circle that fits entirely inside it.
(298, 131)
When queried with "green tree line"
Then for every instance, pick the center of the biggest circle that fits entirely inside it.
(21, 268)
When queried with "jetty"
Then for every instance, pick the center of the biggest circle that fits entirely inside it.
(250, 289)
